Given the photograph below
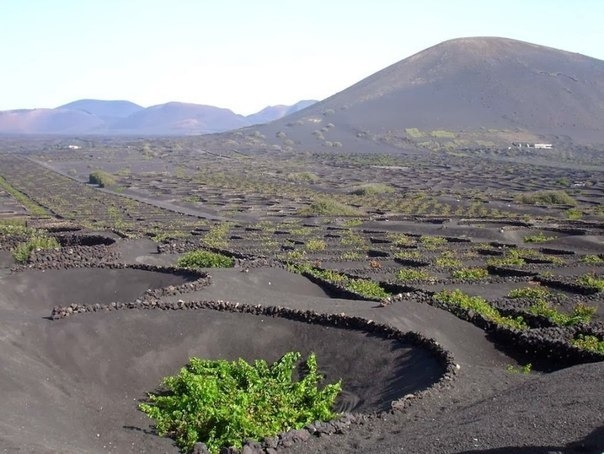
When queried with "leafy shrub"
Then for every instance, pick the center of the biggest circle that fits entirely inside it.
(352, 255)
(372, 188)
(592, 259)
(315, 244)
(328, 207)
(217, 236)
(351, 238)
(408, 255)
(447, 260)
(13, 227)
(303, 177)
(512, 257)
(432, 242)
(366, 288)
(581, 313)
(589, 343)
(410, 274)
(295, 255)
(538, 238)
(529, 293)
(102, 178)
(591, 281)
(526, 369)
(400, 239)
(205, 259)
(353, 222)
(479, 305)
(574, 214)
(223, 403)
(363, 287)
(37, 242)
(547, 198)
(470, 274)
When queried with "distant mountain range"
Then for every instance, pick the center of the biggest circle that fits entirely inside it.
(92, 116)
(460, 93)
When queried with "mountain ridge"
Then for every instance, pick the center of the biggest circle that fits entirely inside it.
(92, 116)
(473, 91)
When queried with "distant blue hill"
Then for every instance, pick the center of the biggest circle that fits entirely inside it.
(93, 116)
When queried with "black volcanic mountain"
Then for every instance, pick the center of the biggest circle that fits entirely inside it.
(465, 91)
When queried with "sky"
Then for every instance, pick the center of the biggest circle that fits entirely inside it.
(247, 54)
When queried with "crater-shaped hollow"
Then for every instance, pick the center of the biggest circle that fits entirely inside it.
(42, 289)
(97, 366)
(143, 346)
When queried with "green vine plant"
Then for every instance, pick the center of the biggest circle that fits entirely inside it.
(205, 259)
(38, 241)
(223, 403)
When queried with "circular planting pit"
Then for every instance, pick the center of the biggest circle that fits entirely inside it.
(84, 240)
(112, 340)
(97, 367)
(33, 290)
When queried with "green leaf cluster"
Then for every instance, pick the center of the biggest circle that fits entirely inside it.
(447, 260)
(38, 241)
(205, 259)
(315, 244)
(470, 274)
(547, 198)
(532, 294)
(512, 257)
(411, 274)
(480, 306)
(222, 403)
(102, 178)
(538, 238)
(13, 227)
(217, 236)
(432, 242)
(591, 281)
(328, 207)
(581, 313)
(363, 287)
(589, 343)
(592, 259)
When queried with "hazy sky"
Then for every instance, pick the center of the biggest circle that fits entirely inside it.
(247, 54)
